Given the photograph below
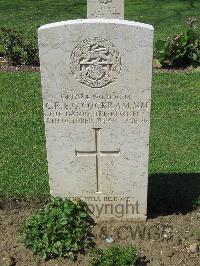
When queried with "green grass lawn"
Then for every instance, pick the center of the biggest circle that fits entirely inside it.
(167, 16)
(174, 132)
(175, 123)
(23, 157)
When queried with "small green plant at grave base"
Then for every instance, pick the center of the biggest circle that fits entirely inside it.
(60, 229)
(182, 49)
(17, 49)
(113, 256)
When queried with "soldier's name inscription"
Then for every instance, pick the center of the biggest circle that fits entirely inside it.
(96, 108)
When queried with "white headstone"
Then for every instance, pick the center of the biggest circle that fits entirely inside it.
(105, 9)
(97, 98)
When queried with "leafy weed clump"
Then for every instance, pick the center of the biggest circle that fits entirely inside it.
(114, 256)
(182, 49)
(17, 49)
(60, 229)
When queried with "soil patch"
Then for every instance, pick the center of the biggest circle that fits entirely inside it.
(4, 67)
(7, 68)
(165, 240)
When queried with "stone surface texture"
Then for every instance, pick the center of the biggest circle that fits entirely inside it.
(105, 9)
(97, 100)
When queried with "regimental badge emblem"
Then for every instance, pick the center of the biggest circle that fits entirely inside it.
(95, 62)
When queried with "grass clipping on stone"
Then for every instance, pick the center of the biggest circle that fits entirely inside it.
(60, 229)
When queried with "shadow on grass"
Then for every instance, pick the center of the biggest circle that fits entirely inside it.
(172, 193)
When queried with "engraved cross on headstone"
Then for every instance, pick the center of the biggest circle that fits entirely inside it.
(98, 154)
(105, 9)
